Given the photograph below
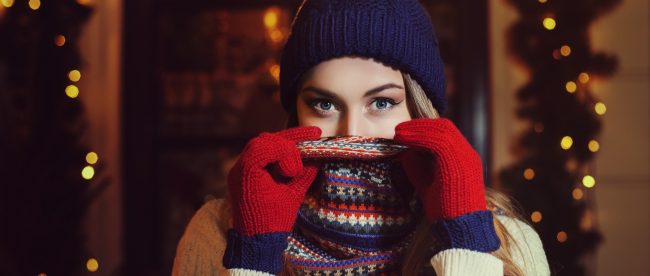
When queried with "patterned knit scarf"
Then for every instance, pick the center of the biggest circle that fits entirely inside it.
(359, 215)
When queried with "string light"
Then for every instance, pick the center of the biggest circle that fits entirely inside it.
(74, 75)
(549, 23)
(583, 77)
(565, 50)
(59, 40)
(562, 236)
(88, 172)
(529, 174)
(271, 17)
(92, 265)
(600, 108)
(571, 86)
(588, 181)
(92, 158)
(536, 217)
(34, 4)
(274, 70)
(566, 142)
(7, 3)
(72, 91)
(577, 194)
(593, 145)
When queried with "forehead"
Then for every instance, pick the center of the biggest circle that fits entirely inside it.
(351, 73)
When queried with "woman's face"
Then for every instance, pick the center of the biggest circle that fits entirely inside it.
(353, 96)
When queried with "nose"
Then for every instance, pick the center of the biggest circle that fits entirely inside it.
(352, 124)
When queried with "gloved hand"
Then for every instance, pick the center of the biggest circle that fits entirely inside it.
(447, 174)
(267, 185)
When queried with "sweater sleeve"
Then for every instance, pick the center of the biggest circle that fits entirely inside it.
(527, 252)
(201, 248)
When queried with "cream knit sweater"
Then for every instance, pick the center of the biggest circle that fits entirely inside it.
(201, 249)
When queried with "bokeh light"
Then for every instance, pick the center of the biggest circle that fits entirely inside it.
(566, 142)
(549, 23)
(88, 172)
(588, 181)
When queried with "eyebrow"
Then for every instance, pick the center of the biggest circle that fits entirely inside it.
(330, 94)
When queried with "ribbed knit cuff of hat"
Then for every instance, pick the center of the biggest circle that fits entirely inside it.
(473, 231)
(261, 252)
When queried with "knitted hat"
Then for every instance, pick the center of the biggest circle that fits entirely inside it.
(397, 33)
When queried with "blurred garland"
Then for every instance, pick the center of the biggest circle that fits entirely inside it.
(43, 197)
(551, 175)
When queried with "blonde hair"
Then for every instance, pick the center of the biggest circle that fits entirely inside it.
(417, 256)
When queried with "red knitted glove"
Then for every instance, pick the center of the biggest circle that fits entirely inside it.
(267, 186)
(446, 171)
(269, 181)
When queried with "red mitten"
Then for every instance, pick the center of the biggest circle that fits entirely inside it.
(448, 177)
(267, 185)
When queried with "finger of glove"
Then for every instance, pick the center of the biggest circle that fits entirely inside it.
(301, 182)
(298, 134)
(419, 168)
(434, 135)
(290, 163)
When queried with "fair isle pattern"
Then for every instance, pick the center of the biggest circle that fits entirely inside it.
(355, 147)
(356, 219)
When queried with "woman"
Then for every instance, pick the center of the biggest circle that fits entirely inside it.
(369, 70)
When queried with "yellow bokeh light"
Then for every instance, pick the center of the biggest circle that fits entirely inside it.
(565, 50)
(593, 145)
(92, 158)
(600, 108)
(7, 3)
(59, 40)
(562, 236)
(571, 87)
(271, 17)
(72, 91)
(34, 4)
(549, 23)
(42, 274)
(588, 181)
(566, 142)
(529, 174)
(583, 77)
(274, 70)
(92, 265)
(88, 172)
(542, 1)
(536, 216)
(577, 194)
(74, 75)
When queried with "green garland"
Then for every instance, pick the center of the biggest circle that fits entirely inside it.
(551, 38)
(43, 196)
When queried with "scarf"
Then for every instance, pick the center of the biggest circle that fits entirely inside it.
(359, 215)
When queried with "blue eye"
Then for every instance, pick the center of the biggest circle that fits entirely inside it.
(325, 105)
(383, 104)
(322, 105)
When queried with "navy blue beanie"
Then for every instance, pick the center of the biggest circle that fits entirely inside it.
(397, 33)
